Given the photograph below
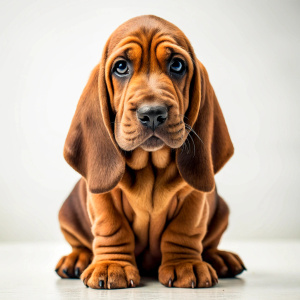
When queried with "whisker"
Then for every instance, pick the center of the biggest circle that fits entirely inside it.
(189, 145)
(193, 143)
(192, 130)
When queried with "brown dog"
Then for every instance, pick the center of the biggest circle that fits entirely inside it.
(147, 136)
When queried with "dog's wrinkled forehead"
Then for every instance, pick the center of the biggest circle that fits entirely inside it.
(145, 28)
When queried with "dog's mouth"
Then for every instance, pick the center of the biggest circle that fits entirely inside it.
(152, 144)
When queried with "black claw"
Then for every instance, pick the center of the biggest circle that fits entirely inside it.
(85, 282)
(56, 270)
(101, 284)
(77, 272)
(245, 269)
(66, 272)
(214, 281)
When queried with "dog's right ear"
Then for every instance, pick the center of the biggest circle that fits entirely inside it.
(90, 147)
(213, 147)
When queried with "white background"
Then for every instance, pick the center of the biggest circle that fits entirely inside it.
(251, 51)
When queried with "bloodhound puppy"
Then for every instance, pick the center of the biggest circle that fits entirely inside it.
(147, 136)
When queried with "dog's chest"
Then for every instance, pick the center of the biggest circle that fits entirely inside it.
(152, 195)
(151, 190)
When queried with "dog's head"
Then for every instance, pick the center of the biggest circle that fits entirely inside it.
(148, 91)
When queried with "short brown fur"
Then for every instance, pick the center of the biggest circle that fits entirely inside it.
(138, 208)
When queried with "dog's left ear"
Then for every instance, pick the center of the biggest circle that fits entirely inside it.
(90, 147)
(215, 148)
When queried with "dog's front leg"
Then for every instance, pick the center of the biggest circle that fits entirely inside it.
(114, 263)
(181, 246)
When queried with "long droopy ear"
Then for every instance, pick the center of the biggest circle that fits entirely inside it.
(90, 147)
(215, 147)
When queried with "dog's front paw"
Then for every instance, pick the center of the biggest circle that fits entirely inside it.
(111, 275)
(188, 274)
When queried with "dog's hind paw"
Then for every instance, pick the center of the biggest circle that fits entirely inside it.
(226, 264)
(72, 265)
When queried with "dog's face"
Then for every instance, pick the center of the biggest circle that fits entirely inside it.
(148, 91)
(150, 72)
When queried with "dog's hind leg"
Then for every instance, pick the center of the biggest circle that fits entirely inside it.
(76, 228)
(226, 264)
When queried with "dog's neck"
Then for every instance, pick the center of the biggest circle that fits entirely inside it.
(139, 158)
(148, 176)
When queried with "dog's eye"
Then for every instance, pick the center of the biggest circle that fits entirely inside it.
(121, 67)
(177, 66)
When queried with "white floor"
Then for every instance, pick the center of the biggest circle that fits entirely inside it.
(27, 272)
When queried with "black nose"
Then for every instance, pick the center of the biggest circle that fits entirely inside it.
(152, 116)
